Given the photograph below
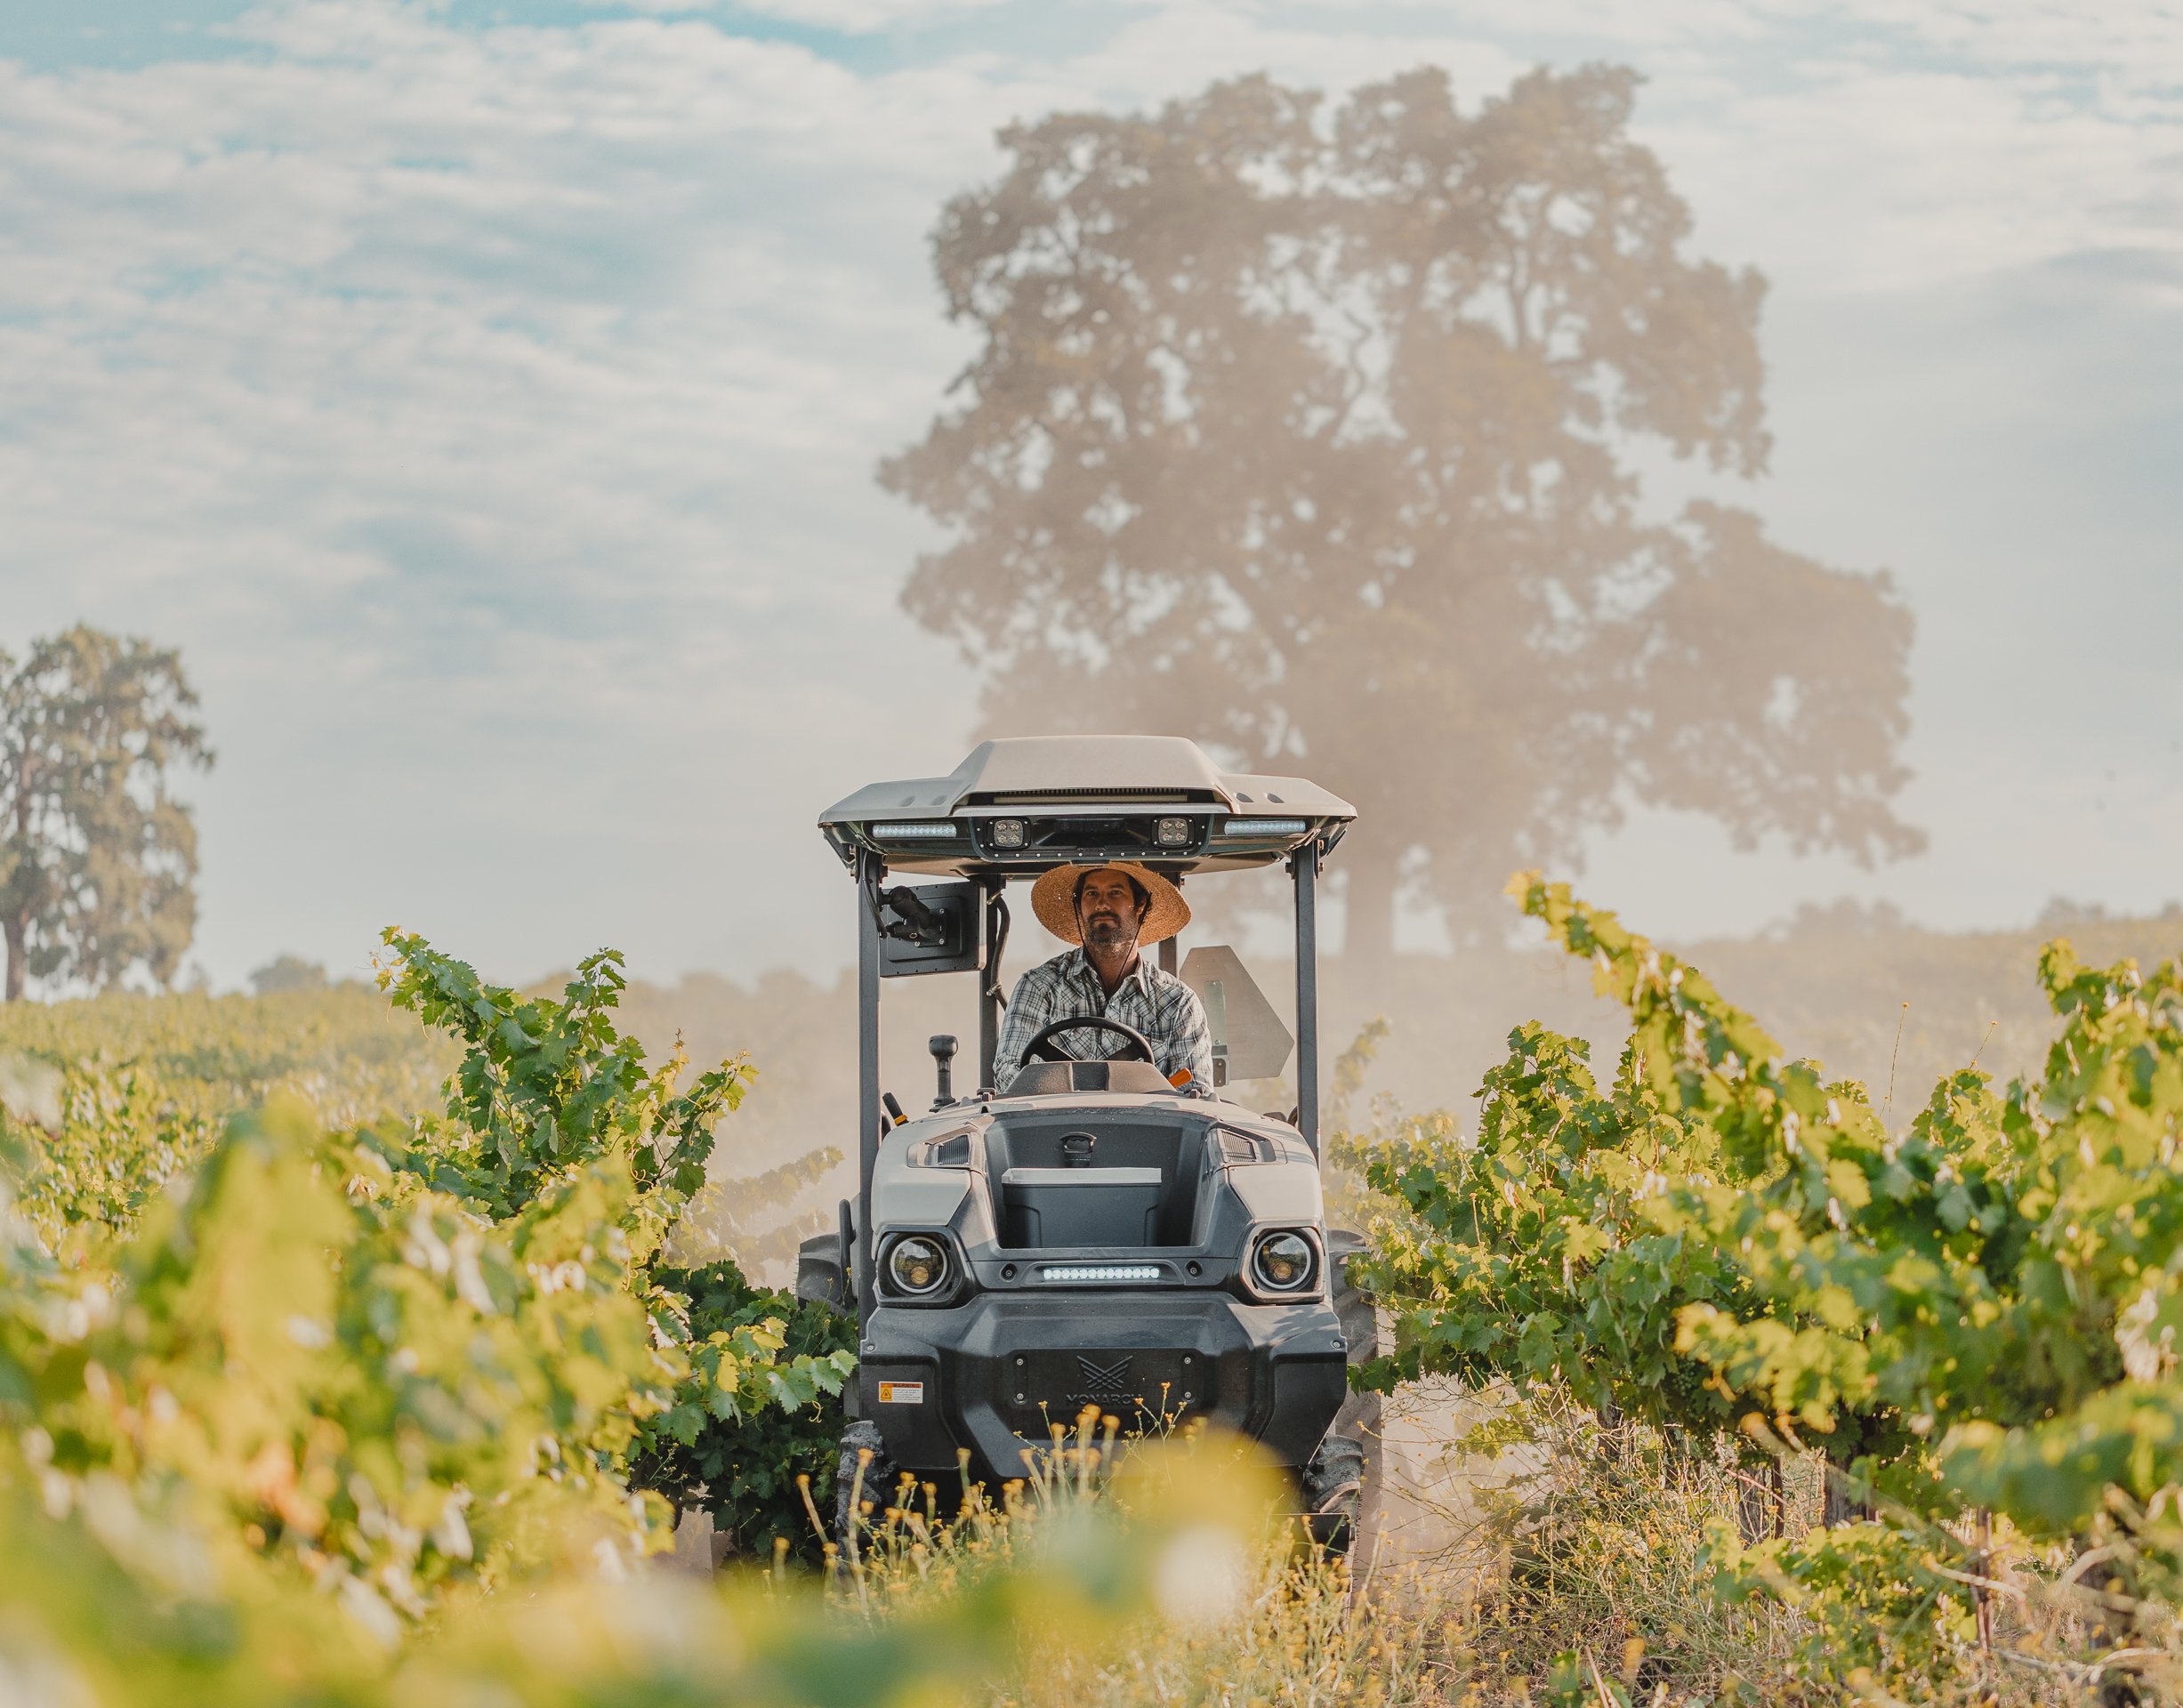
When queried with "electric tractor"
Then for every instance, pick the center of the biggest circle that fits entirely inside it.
(1073, 1227)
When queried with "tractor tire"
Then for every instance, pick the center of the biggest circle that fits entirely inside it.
(822, 1267)
(1360, 1419)
(1334, 1491)
(878, 1486)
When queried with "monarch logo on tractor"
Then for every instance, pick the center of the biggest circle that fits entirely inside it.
(1105, 1386)
(1104, 1378)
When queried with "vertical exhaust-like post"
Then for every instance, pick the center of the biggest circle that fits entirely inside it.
(1304, 862)
(870, 1119)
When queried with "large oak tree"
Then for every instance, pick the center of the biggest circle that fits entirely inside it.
(98, 860)
(1313, 434)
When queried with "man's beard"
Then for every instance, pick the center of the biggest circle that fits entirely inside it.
(1107, 931)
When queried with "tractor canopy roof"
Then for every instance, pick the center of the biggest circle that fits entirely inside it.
(1020, 806)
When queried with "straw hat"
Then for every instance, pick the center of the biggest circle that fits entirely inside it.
(1054, 898)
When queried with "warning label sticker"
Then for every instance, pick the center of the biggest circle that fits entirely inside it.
(902, 1393)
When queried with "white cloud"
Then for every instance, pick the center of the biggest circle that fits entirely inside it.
(439, 390)
(661, 8)
(1876, 177)
(862, 16)
(490, 411)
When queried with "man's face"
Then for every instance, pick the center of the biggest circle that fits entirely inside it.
(1106, 908)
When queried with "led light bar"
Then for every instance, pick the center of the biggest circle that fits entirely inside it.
(1265, 828)
(1098, 1272)
(922, 830)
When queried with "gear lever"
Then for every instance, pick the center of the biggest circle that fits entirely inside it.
(942, 1045)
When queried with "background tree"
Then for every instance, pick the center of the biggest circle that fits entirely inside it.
(288, 973)
(1311, 435)
(97, 862)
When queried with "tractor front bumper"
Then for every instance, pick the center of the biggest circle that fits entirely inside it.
(998, 1373)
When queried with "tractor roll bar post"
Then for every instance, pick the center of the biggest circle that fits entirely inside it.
(1304, 862)
(989, 980)
(870, 870)
(1169, 948)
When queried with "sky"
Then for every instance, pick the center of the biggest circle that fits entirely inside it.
(485, 397)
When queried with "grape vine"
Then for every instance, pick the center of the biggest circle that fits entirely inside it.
(1974, 1317)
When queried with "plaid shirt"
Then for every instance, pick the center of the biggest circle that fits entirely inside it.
(1157, 1003)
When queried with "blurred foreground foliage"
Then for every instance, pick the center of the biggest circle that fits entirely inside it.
(300, 1391)
(127, 1090)
(385, 1410)
(400, 1406)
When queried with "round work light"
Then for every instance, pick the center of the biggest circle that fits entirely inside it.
(917, 1265)
(1283, 1261)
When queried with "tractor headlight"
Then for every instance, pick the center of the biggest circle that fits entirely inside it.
(1172, 833)
(916, 1265)
(1283, 1261)
(1007, 833)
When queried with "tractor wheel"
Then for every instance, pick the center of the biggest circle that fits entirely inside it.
(1360, 1417)
(1334, 1491)
(821, 1275)
(879, 1479)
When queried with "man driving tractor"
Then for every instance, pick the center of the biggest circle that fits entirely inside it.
(1110, 911)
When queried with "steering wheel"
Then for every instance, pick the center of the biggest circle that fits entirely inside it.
(1047, 1047)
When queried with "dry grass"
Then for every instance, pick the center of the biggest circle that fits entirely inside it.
(1594, 1562)
(1280, 1623)
(1589, 1580)
(1579, 1577)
